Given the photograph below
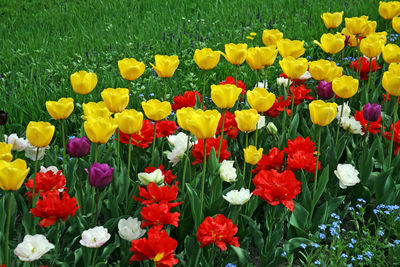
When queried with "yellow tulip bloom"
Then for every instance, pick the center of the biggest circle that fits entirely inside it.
(324, 70)
(352, 38)
(156, 110)
(331, 43)
(203, 124)
(60, 109)
(396, 24)
(290, 48)
(332, 20)
(255, 58)
(235, 53)
(5, 152)
(93, 109)
(130, 69)
(225, 95)
(260, 99)
(252, 155)
(368, 28)
(268, 54)
(116, 100)
(394, 67)
(294, 68)
(165, 65)
(345, 86)
(99, 129)
(12, 174)
(322, 113)
(247, 119)
(129, 121)
(371, 47)
(391, 82)
(83, 82)
(39, 134)
(271, 37)
(355, 24)
(183, 115)
(389, 10)
(206, 58)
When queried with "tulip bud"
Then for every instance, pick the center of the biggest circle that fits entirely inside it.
(130, 68)
(100, 175)
(324, 90)
(3, 117)
(247, 119)
(5, 152)
(12, 174)
(322, 113)
(156, 110)
(156, 177)
(371, 112)
(78, 147)
(39, 134)
(83, 82)
(252, 155)
(165, 65)
(271, 128)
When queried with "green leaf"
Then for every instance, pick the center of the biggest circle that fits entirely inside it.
(322, 182)
(241, 254)
(295, 242)
(384, 186)
(299, 217)
(256, 234)
(323, 211)
(293, 126)
(195, 204)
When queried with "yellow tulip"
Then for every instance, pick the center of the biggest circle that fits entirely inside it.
(12, 174)
(183, 115)
(368, 28)
(290, 48)
(345, 86)
(247, 119)
(394, 67)
(255, 58)
(99, 129)
(130, 68)
(83, 82)
(93, 109)
(235, 53)
(156, 110)
(396, 24)
(271, 37)
(116, 100)
(332, 20)
(324, 70)
(5, 152)
(352, 39)
(225, 95)
(60, 109)
(331, 43)
(203, 124)
(165, 65)
(294, 68)
(269, 54)
(206, 58)
(377, 37)
(355, 24)
(371, 47)
(260, 99)
(322, 113)
(389, 10)
(39, 134)
(391, 82)
(129, 121)
(252, 155)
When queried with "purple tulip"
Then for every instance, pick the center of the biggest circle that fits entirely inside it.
(371, 112)
(346, 41)
(78, 147)
(100, 175)
(324, 90)
(3, 117)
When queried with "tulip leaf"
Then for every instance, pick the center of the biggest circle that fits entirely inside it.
(295, 242)
(293, 126)
(256, 234)
(323, 211)
(241, 254)
(299, 217)
(322, 182)
(384, 186)
(195, 204)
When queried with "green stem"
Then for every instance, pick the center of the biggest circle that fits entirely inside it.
(165, 89)
(34, 178)
(118, 153)
(222, 135)
(97, 206)
(316, 175)
(338, 127)
(255, 141)
(265, 77)
(80, 190)
(396, 106)
(129, 169)
(154, 143)
(204, 84)
(244, 161)
(96, 151)
(251, 174)
(185, 165)
(366, 132)
(9, 197)
(1, 134)
(292, 107)
(93, 206)
(94, 258)
(63, 142)
(257, 77)
(203, 178)
(369, 81)
(236, 73)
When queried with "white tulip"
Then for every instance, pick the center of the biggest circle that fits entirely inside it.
(19, 144)
(95, 237)
(30, 152)
(347, 175)
(238, 197)
(156, 177)
(129, 229)
(227, 172)
(33, 247)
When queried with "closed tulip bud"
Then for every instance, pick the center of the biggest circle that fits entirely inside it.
(78, 147)
(100, 175)
(116, 100)
(324, 70)
(235, 53)
(291, 48)
(252, 155)
(322, 113)
(391, 82)
(255, 58)
(182, 116)
(271, 37)
(391, 53)
(99, 129)
(268, 54)
(206, 58)
(203, 124)
(156, 110)
(345, 86)
(5, 151)
(93, 109)
(332, 20)
(355, 24)
(3, 117)
(271, 128)
(331, 43)
(371, 112)
(351, 41)
(12, 174)
(156, 177)
(260, 99)
(294, 68)
(368, 28)
(389, 10)
(396, 24)
(324, 90)
(39, 134)
(60, 109)
(247, 119)
(370, 47)
(225, 95)
(165, 65)
(83, 82)
(129, 121)
(130, 68)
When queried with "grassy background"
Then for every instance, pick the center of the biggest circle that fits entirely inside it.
(44, 42)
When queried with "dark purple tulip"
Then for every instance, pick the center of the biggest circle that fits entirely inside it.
(100, 175)
(346, 41)
(324, 90)
(371, 112)
(3, 117)
(78, 147)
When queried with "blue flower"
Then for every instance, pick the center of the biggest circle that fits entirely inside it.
(322, 236)
(283, 254)
(344, 255)
(361, 200)
(303, 245)
(230, 265)
(369, 254)
(360, 257)
(358, 206)
(352, 258)
(151, 94)
(141, 95)
(317, 262)
(391, 245)
(376, 211)
(322, 227)
(350, 265)
(315, 245)
(350, 208)
(396, 242)
(334, 215)
(353, 241)
(387, 212)
(350, 245)
(381, 233)
(332, 248)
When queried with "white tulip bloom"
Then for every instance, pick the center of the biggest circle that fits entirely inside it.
(238, 197)
(347, 175)
(227, 172)
(19, 144)
(95, 237)
(33, 247)
(156, 177)
(129, 229)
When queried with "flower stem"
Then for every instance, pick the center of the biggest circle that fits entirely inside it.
(203, 178)
(96, 151)
(165, 89)
(9, 197)
(244, 162)
(94, 258)
(236, 73)
(257, 77)
(255, 141)
(265, 77)
(93, 205)
(129, 169)
(63, 142)
(34, 178)
(118, 154)
(369, 81)
(185, 165)
(396, 106)
(316, 175)
(222, 135)
(154, 143)
(204, 84)
(97, 205)
(340, 118)
(292, 107)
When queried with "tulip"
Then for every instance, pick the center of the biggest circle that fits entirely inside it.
(60, 109)
(322, 113)
(394, 67)
(332, 20)
(355, 24)
(330, 43)
(389, 10)
(83, 82)
(268, 54)
(371, 47)
(3, 117)
(324, 70)
(5, 152)
(225, 95)
(165, 65)
(271, 37)
(247, 119)
(371, 112)
(99, 129)
(93, 109)
(116, 100)
(235, 53)
(289, 48)
(324, 90)
(252, 155)
(156, 110)
(391, 82)
(351, 38)
(206, 58)
(294, 68)
(396, 24)
(39, 134)
(78, 147)
(156, 177)
(345, 86)
(100, 175)
(130, 68)
(368, 28)
(260, 99)
(12, 174)
(182, 116)
(203, 124)
(130, 121)
(391, 53)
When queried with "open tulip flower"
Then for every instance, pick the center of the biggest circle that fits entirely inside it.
(206, 58)
(165, 65)
(391, 53)
(332, 20)
(225, 95)
(372, 45)
(391, 82)
(235, 53)
(129, 121)
(93, 109)
(5, 151)
(271, 37)
(368, 28)
(12, 174)
(291, 48)
(116, 100)
(322, 113)
(260, 99)
(396, 24)
(99, 129)
(130, 68)
(394, 67)
(252, 155)
(39, 134)
(247, 119)
(352, 39)
(60, 109)
(203, 124)
(324, 70)
(389, 10)
(268, 54)
(345, 86)
(83, 82)
(182, 116)
(355, 24)
(294, 68)
(156, 110)
(331, 43)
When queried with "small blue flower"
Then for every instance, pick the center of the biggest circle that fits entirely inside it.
(397, 218)
(303, 245)
(380, 206)
(369, 254)
(71, 137)
(322, 227)
(361, 200)
(350, 245)
(322, 236)
(141, 95)
(350, 265)
(151, 94)
(352, 258)
(308, 57)
(360, 257)
(381, 233)
(283, 254)
(334, 215)
(358, 206)
(317, 262)
(391, 245)
(376, 211)
(396, 242)
(230, 265)
(387, 212)
(344, 255)
(332, 248)
(315, 245)
(350, 208)
(353, 241)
